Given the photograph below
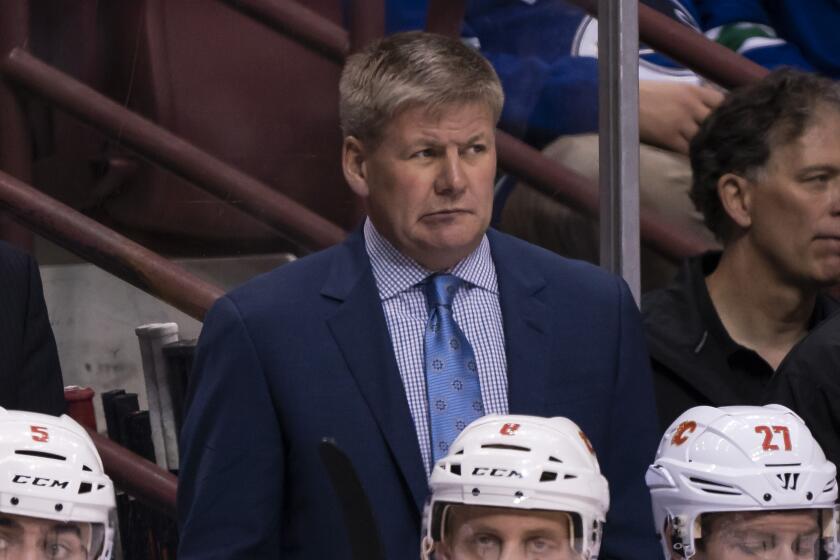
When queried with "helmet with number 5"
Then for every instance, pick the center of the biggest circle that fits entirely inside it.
(521, 463)
(52, 477)
(738, 459)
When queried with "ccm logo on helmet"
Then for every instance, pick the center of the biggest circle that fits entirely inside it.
(498, 473)
(509, 429)
(39, 481)
(679, 436)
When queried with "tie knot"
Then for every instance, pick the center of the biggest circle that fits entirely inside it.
(441, 288)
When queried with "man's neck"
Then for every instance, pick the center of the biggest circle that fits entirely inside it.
(758, 309)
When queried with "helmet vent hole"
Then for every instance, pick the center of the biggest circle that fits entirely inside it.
(455, 469)
(85, 487)
(87, 468)
(100, 486)
(548, 476)
(505, 447)
(712, 487)
(41, 454)
(14, 501)
(554, 460)
(569, 476)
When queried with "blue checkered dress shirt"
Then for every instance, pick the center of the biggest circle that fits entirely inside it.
(476, 310)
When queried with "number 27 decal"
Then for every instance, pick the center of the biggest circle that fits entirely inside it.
(769, 432)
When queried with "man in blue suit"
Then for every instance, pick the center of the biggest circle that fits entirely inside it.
(391, 342)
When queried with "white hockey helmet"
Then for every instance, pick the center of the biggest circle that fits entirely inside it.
(49, 469)
(737, 459)
(521, 462)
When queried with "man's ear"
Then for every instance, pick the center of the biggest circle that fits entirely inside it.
(736, 197)
(354, 165)
(442, 551)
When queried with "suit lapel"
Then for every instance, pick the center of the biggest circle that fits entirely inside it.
(526, 321)
(360, 330)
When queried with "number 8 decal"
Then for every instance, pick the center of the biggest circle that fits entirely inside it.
(768, 431)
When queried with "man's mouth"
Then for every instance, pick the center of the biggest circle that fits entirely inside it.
(447, 212)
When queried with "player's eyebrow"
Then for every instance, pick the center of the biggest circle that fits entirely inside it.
(62, 528)
(9, 523)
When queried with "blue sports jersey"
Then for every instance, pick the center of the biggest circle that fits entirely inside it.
(544, 52)
(799, 33)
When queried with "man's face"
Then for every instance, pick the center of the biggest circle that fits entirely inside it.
(29, 538)
(491, 533)
(762, 536)
(796, 206)
(428, 183)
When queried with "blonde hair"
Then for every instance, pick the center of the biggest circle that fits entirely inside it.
(408, 70)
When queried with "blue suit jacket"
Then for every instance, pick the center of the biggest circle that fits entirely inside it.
(304, 353)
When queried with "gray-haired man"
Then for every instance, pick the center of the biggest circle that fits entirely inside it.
(395, 340)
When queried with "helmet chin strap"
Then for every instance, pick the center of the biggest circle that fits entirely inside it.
(427, 547)
(681, 542)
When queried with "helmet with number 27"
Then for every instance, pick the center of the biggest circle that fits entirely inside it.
(743, 482)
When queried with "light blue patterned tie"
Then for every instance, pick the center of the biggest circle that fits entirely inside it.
(452, 383)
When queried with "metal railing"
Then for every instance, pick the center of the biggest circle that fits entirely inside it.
(107, 249)
(136, 265)
(182, 158)
(136, 475)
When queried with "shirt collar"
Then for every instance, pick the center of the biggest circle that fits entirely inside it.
(395, 272)
(704, 265)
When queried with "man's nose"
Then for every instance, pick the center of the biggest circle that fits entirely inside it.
(835, 197)
(513, 553)
(452, 178)
(30, 553)
(786, 553)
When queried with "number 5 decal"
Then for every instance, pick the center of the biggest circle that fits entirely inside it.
(40, 433)
(769, 431)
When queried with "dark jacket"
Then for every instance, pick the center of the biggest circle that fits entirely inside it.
(694, 360)
(303, 353)
(808, 381)
(30, 375)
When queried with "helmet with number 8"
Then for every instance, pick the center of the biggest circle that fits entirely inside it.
(50, 470)
(521, 463)
(738, 459)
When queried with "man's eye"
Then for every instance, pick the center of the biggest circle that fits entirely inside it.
(755, 546)
(57, 551)
(477, 149)
(805, 546)
(422, 154)
(486, 542)
(540, 545)
(819, 180)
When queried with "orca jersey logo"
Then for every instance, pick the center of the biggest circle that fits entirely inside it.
(652, 65)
